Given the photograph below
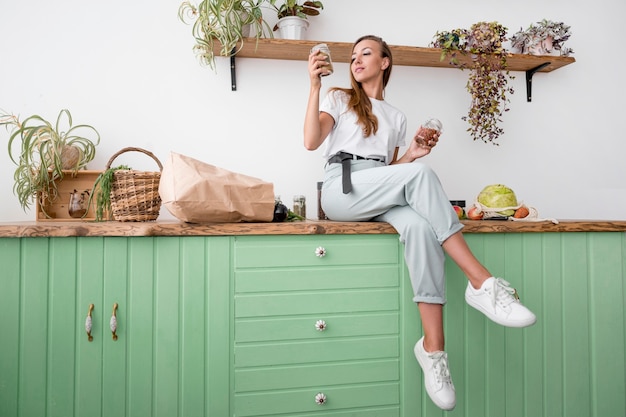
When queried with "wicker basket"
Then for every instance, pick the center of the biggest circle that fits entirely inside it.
(135, 194)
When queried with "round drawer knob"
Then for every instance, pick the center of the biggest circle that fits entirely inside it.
(320, 252)
(320, 398)
(320, 325)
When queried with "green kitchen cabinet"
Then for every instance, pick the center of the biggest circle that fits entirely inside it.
(271, 325)
(168, 296)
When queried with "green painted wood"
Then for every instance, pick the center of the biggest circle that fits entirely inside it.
(298, 328)
(607, 293)
(315, 352)
(167, 253)
(89, 290)
(114, 352)
(62, 335)
(338, 397)
(219, 332)
(32, 357)
(140, 328)
(193, 326)
(10, 251)
(283, 304)
(321, 375)
(284, 251)
(571, 363)
(301, 279)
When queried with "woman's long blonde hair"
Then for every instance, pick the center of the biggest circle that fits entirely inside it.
(358, 100)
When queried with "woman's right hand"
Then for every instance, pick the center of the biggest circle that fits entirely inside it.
(317, 67)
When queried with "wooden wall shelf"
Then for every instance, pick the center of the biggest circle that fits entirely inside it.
(416, 56)
(402, 55)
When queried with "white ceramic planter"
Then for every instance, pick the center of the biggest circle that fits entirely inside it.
(292, 27)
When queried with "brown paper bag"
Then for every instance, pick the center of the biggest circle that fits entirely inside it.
(196, 192)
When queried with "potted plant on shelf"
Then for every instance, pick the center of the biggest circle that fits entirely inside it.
(488, 79)
(542, 38)
(292, 17)
(227, 21)
(44, 153)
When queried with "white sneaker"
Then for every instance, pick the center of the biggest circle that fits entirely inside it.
(499, 302)
(437, 378)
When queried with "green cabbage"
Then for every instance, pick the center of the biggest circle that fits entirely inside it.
(496, 196)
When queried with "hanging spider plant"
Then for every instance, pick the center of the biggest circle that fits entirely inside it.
(227, 21)
(43, 151)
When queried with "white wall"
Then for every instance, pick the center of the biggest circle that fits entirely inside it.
(127, 68)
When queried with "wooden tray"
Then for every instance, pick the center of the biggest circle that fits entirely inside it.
(58, 209)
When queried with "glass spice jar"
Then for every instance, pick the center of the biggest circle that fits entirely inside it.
(299, 205)
(428, 129)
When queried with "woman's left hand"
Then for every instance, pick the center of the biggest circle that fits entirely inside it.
(420, 146)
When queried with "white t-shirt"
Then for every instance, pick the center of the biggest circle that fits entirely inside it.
(347, 134)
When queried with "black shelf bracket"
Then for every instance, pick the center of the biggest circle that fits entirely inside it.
(233, 72)
(529, 80)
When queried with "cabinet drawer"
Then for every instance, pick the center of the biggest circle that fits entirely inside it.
(299, 328)
(320, 302)
(316, 351)
(303, 400)
(283, 251)
(326, 278)
(325, 374)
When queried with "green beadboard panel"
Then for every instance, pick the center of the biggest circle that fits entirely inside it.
(161, 363)
(166, 326)
(140, 328)
(566, 364)
(114, 290)
(62, 335)
(33, 328)
(193, 325)
(89, 290)
(10, 251)
(295, 401)
(219, 331)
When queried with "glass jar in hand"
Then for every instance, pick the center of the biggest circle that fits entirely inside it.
(427, 131)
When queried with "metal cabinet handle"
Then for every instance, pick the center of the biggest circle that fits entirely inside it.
(88, 323)
(113, 322)
(320, 398)
(320, 325)
(320, 252)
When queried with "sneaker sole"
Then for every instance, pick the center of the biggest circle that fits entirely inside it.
(496, 319)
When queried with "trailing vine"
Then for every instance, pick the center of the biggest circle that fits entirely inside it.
(488, 79)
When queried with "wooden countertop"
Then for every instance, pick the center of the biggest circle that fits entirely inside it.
(309, 227)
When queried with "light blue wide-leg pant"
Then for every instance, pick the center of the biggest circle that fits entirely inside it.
(410, 198)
